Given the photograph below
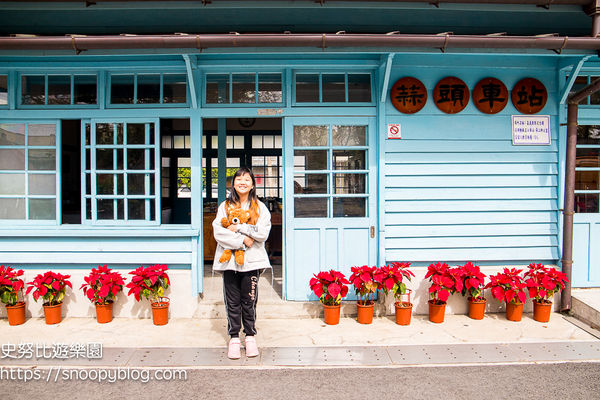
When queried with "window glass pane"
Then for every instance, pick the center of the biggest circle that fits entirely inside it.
(88, 184)
(334, 88)
(136, 159)
(349, 159)
(12, 184)
(349, 183)
(214, 142)
(244, 88)
(135, 184)
(229, 142)
(359, 88)
(136, 134)
(174, 88)
(310, 183)
(257, 142)
(268, 141)
(586, 180)
(148, 89)
(42, 160)
(120, 156)
(105, 184)
(278, 142)
(307, 88)
(307, 207)
(217, 89)
(349, 135)
(3, 90)
(269, 88)
(42, 209)
(166, 142)
(34, 90)
(306, 135)
(178, 142)
(121, 89)
(12, 208)
(106, 209)
(136, 208)
(120, 178)
(580, 83)
(594, 97)
(588, 134)
(184, 183)
(12, 159)
(349, 207)
(44, 184)
(104, 159)
(589, 158)
(85, 89)
(238, 142)
(105, 134)
(204, 142)
(12, 134)
(313, 160)
(59, 89)
(41, 135)
(586, 202)
(232, 163)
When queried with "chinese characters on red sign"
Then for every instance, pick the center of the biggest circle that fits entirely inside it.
(409, 95)
(451, 95)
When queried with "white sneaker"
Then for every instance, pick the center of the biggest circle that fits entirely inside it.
(233, 351)
(251, 347)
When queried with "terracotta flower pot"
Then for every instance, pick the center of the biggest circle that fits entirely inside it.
(160, 312)
(403, 313)
(542, 311)
(514, 311)
(104, 313)
(16, 313)
(476, 308)
(53, 314)
(437, 311)
(332, 314)
(365, 312)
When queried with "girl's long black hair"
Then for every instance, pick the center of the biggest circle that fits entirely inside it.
(233, 196)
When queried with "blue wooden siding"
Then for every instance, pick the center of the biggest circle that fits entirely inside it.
(455, 188)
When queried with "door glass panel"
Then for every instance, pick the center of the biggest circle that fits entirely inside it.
(310, 160)
(586, 202)
(12, 134)
(105, 134)
(334, 88)
(269, 88)
(244, 88)
(310, 207)
(349, 135)
(307, 88)
(105, 184)
(349, 159)
(310, 135)
(588, 134)
(349, 183)
(135, 184)
(586, 158)
(349, 207)
(12, 159)
(310, 183)
(136, 133)
(44, 184)
(11, 208)
(42, 135)
(59, 89)
(42, 209)
(12, 184)
(359, 88)
(42, 160)
(135, 159)
(586, 180)
(104, 159)
(184, 177)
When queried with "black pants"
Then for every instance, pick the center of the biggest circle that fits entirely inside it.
(240, 291)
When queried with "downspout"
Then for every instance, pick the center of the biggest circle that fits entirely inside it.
(569, 207)
(593, 10)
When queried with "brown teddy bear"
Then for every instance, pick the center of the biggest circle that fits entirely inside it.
(234, 216)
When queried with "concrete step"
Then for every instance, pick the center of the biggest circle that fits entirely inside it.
(586, 306)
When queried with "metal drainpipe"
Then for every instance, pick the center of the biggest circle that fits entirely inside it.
(569, 206)
(593, 10)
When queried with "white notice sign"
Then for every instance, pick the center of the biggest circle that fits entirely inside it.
(394, 131)
(530, 130)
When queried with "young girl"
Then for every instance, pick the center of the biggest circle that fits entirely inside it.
(240, 282)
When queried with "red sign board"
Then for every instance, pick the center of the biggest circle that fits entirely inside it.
(408, 95)
(490, 95)
(451, 95)
(529, 96)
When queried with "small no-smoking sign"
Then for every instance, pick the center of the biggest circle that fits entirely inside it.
(394, 131)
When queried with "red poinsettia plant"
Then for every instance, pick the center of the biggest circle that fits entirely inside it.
(330, 287)
(508, 286)
(102, 285)
(149, 282)
(50, 286)
(393, 278)
(10, 285)
(367, 281)
(444, 281)
(543, 282)
(473, 281)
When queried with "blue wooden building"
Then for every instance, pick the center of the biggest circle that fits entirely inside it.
(120, 122)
